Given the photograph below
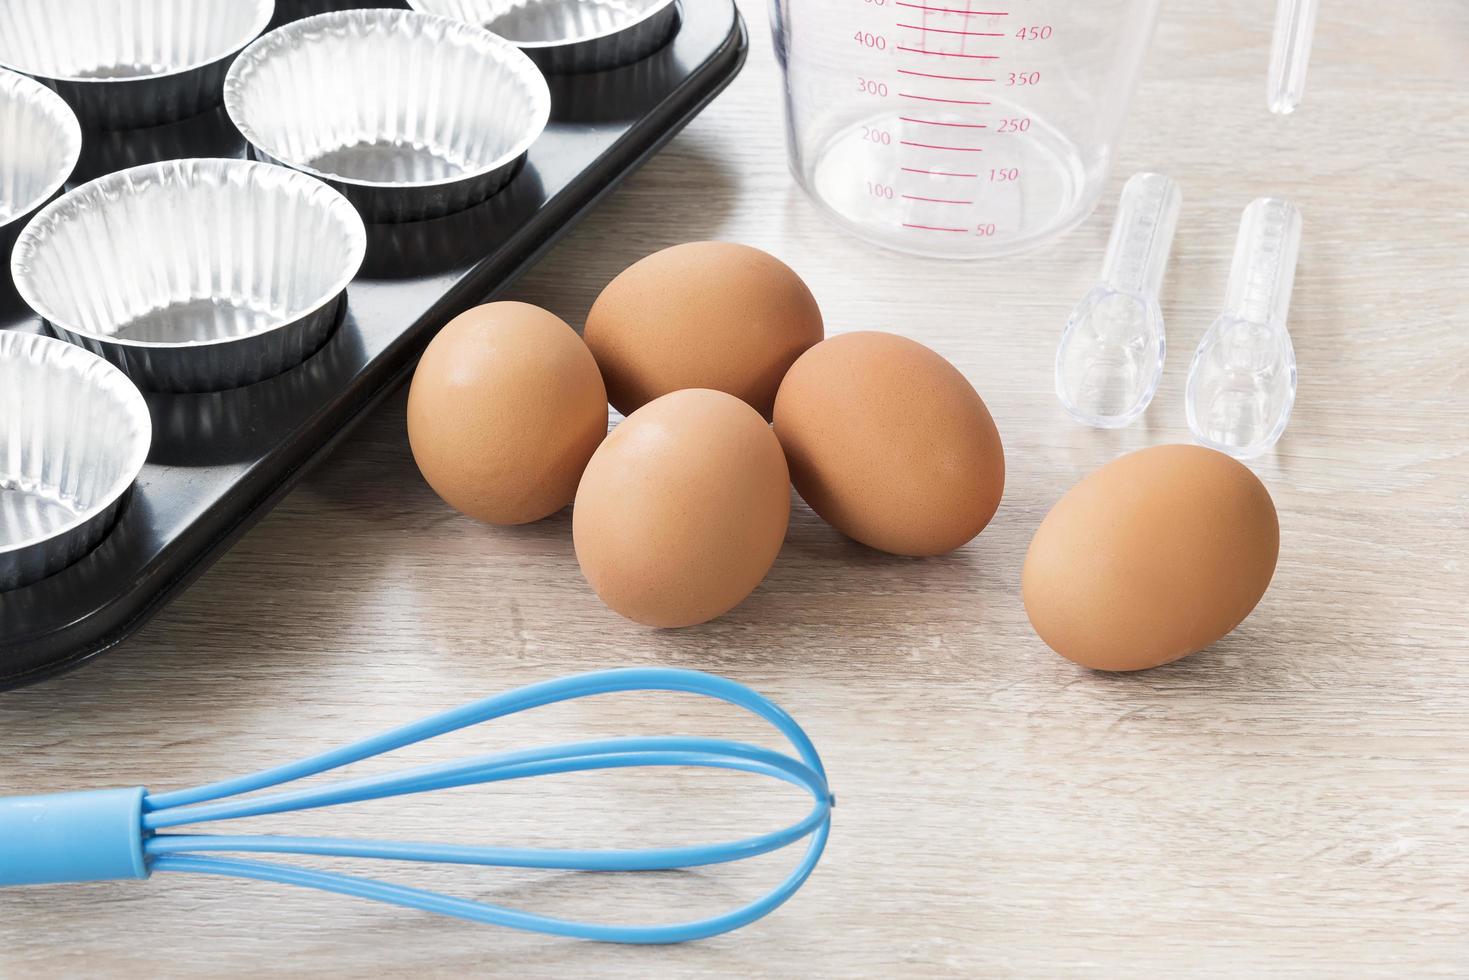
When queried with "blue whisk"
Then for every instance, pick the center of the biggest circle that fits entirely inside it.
(116, 833)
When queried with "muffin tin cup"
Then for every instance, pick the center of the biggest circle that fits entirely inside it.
(193, 275)
(206, 134)
(570, 36)
(42, 141)
(289, 10)
(128, 63)
(74, 434)
(409, 115)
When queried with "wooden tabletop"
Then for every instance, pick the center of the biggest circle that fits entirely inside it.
(1295, 799)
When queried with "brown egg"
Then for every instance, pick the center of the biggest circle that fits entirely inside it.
(701, 315)
(890, 444)
(506, 408)
(681, 512)
(1153, 557)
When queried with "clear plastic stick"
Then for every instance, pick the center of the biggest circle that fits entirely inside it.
(1263, 273)
(1142, 235)
(1290, 54)
(1242, 382)
(1110, 359)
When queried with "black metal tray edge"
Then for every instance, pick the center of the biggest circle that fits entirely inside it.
(480, 283)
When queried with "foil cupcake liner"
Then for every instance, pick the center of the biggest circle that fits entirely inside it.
(193, 275)
(41, 143)
(410, 116)
(569, 36)
(127, 63)
(74, 434)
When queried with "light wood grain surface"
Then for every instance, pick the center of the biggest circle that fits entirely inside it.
(1294, 800)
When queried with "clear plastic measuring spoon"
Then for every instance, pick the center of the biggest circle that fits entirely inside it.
(1110, 358)
(1242, 382)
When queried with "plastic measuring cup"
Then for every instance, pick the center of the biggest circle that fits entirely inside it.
(964, 128)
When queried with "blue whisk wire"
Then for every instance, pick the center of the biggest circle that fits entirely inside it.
(195, 853)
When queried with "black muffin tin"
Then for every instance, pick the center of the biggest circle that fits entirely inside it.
(221, 460)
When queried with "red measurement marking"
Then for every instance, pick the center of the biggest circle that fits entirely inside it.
(936, 173)
(932, 228)
(950, 54)
(947, 78)
(935, 122)
(937, 30)
(953, 10)
(934, 200)
(935, 146)
(930, 98)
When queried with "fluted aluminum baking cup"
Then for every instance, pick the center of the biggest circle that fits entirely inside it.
(411, 116)
(40, 141)
(193, 275)
(74, 434)
(126, 63)
(565, 36)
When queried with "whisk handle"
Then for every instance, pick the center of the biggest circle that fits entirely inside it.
(93, 835)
